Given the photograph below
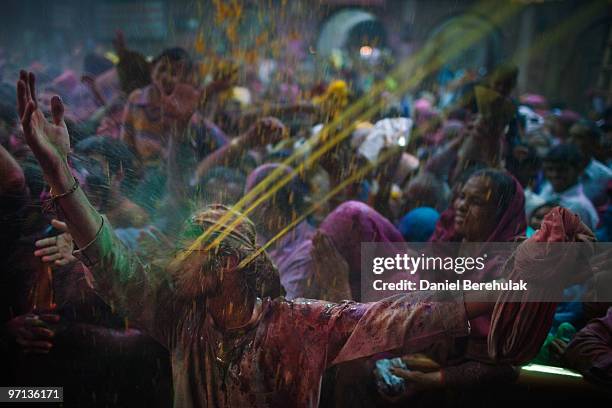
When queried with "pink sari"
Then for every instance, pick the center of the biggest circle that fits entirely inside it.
(351, 224)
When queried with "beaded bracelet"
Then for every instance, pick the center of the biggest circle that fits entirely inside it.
(72, 190)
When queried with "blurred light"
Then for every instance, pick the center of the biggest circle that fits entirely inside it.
(112, 57)
(402, 141)
(550, 370)
(366, 51)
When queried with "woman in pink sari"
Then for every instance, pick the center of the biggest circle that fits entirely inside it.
(347, 227)
(489, 208)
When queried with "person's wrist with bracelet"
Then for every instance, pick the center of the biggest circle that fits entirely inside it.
(60, 178)
(56, 195)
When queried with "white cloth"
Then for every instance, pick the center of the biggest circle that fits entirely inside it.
(385, 133)
(595, 181)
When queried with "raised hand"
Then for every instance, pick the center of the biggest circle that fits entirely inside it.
(57, 249)
(49, 141)
(50, 144)
(265, 131)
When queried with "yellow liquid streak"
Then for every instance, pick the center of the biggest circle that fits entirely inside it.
(416, 78)
(363, 171)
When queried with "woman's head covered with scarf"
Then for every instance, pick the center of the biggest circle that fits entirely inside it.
(349, 225)
(490, 207)
(216, 241)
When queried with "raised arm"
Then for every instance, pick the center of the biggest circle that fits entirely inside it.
(417, 322)
(264, 131)
(119, 275)
(50, 144)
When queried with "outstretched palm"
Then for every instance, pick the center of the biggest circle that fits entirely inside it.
(49, 141)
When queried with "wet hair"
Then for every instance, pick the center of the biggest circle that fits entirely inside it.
(227, 175)
(114, 151)
(504, 187)
(260, 274)
(564, 154)
(552, 204)
(175, 54)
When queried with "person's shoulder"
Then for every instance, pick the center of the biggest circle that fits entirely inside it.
(576, 198)
(600, 168)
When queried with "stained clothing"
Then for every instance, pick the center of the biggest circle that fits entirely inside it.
(352, 223)
(277, 359)
(509, 339)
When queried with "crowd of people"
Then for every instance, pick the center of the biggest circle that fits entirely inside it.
(173, 237)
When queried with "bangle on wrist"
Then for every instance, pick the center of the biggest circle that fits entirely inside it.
(67, 193)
